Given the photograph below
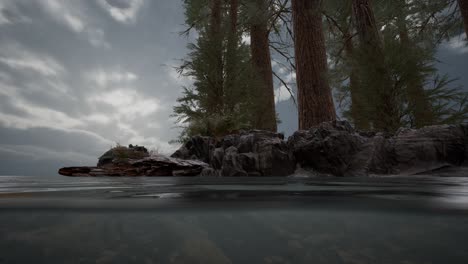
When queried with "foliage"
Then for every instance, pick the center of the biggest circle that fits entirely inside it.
(411, 32)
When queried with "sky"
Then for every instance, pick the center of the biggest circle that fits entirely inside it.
(80, 76)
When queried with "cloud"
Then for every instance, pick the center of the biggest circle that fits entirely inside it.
(63, 12)
(458, 44)
(104, 78)
(97, 38)
(123, 11)
(282, 94)
(10, 14)
(18, 58)
(73, 15)
(122, 4)
(128, 102)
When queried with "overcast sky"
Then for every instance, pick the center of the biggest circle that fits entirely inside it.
(79, 76)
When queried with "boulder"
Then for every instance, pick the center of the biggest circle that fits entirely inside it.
(197, 148)
(122, 153)
(336, 148)
(248, 153)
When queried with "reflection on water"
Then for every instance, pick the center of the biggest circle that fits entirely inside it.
(392, 220)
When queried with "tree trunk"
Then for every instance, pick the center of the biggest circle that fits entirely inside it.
(315, 99)
(261, 59)
(380, 92)
(216, 77)
(231, 56)
(418, 102)
(464, 11)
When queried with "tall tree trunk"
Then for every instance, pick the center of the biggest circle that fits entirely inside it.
(261, 59)
(231, 55)
(418, 102)
(315, 99)
(216, 77)
(464, 11)
(381, 94)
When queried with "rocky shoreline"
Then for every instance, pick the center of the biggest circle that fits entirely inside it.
(332, 148)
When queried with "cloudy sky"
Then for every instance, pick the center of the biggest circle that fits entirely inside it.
(79, 76)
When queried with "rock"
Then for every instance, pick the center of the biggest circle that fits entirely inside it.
(122, 153)
(332, 148)
(428, 148)
(197, 148)
(252, 153)
(329, 148)
(154, 165)
(231, 165)
(336, 148)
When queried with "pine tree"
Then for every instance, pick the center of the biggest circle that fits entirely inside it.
(380, 91)
(410, 33)
(265, 114)
(221, 98)
(418, 103)
(314, 94)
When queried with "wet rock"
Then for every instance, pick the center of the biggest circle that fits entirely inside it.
(332, 148)
(329, 148)
(197, 148)
(252, 153)
(428, 148)
(336, 148)
(154, 165)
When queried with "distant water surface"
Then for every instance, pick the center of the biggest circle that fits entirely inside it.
(234, 220)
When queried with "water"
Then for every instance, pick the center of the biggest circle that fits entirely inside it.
(255, 220)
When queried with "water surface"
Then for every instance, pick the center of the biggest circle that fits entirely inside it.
(232, 220)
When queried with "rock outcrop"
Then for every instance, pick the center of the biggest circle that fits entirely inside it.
(336, 148)
(122, 153)
(153, 165)
(333, 148)
(253, 153)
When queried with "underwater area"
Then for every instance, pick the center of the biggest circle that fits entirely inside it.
(220, 220)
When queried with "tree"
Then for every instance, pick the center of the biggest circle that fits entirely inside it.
(220, 100)
(380, 91)
(265, 116)
(315, 100)
(464, 12)
(418, 102)
(409, 32)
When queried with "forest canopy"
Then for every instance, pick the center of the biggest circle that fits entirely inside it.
(371, 62)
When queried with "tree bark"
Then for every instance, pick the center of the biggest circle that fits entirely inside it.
(231, 55)
(216, 75)
(382, 106)
(261, 60)
(464, 11)
(315, 99)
